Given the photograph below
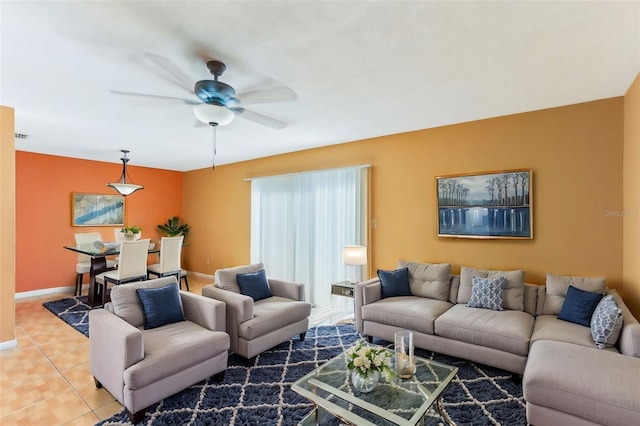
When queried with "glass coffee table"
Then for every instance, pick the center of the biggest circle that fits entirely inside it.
(399, 402)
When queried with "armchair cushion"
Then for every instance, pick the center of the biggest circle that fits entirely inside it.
(272, 314)
(161, 305)
(226, 278)
(254, 285)
(125, 301)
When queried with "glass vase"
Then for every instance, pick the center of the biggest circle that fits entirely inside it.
(405, 365)
(365, 383)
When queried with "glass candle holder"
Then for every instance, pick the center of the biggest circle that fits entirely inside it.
(405, 366)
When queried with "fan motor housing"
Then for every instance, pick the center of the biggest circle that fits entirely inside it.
(216, 92)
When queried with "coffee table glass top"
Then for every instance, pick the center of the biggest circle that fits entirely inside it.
(400, 402)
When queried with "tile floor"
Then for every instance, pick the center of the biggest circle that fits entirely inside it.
(46, 379)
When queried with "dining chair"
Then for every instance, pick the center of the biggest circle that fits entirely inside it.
(132, 266)
(83, 265)
(170, 260)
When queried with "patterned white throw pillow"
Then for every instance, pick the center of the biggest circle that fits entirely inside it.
(487, 293)
(606, 323)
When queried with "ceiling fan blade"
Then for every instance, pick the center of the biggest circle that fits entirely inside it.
(146, 95)
(178, 76)
(276, 94)
(259, 118)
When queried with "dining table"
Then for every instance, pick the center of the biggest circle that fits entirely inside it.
(98, 253)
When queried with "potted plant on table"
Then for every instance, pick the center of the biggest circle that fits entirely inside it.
(131, 232)
(174, 228)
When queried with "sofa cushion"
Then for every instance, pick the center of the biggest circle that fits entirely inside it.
(487, 293)
(126, 304)
(226, 278)
(513, 294)
(508, 331)
(394, 283)
(557, 287)
(172, 349)
(406, 312)
(606, 323)
(578, 306)
(428, 279)
(160, 305)
(549, 327)
(254, 285)
(272, 314)
(588, 383)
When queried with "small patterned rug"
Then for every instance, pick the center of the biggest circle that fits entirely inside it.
(72, 310)
(262, 395)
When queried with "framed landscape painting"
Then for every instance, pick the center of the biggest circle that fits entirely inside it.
(486, 205)
(96, 209)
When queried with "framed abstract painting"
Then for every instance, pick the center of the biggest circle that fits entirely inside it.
(486, 205)
(96, 209)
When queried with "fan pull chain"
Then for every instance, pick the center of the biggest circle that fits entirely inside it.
(213, 160)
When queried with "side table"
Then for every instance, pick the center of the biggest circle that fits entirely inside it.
(343, 309)
(343, 288)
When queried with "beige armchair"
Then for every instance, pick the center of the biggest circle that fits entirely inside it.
(255, 326)
(140, 366)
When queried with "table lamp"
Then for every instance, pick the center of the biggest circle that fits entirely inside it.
(356, 256)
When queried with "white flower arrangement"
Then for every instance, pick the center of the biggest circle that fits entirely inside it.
(364, 358)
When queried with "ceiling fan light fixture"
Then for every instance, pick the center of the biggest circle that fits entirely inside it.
(210, 113)
(122, 187)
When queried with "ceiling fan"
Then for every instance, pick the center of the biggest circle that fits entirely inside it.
(217, 102)
(223, 100)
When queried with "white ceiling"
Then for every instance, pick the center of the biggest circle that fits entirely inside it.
(360, 69)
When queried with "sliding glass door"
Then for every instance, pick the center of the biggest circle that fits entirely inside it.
(301, 222)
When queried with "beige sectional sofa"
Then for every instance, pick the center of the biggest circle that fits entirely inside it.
(566, 378)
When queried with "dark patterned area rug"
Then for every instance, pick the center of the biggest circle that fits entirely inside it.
(262, 395)
(72, 310)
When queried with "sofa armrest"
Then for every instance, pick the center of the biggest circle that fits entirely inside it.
(237, 305)
(204, 311)
(114, 345)
(629, 340)
(239, 308)
(364, 293)
(288, 289)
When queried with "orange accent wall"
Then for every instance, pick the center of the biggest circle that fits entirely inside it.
(575, 153)
(7, 225)
(44, 184)
(631, 185)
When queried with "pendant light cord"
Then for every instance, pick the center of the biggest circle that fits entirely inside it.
(213, 160)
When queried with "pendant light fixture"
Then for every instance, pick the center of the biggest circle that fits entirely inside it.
(122, 187)
(213, 115)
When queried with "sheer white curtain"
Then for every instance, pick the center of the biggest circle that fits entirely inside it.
(301, 222)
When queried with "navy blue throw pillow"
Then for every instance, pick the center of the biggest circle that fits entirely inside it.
(394, 283)
(578, 306)
(255, 285)
(161, 305)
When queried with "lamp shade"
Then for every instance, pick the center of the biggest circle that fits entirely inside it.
(210, 113)
(122, 187)
(354, 255)
(125, 188)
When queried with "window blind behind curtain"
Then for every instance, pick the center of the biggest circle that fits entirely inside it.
(300, 223)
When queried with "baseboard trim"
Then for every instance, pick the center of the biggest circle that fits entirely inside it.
(10, 344)
(43, 292)
(201, 275)
(69, 289)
